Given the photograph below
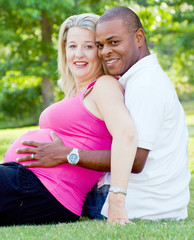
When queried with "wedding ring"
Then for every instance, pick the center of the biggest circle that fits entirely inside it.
(32, 156)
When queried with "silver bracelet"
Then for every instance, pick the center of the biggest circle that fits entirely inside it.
(116, 189)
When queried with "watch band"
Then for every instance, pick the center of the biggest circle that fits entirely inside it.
(74, 150)
(116, 189)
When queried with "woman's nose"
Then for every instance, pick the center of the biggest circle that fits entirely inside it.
(79, 52)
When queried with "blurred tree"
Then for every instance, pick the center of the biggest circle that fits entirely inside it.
(28, 33)
(27, 96)
(28, 37)
(173, 40)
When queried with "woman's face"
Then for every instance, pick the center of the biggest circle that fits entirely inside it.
(81, 54)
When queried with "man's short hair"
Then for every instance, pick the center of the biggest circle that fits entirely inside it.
(126, 14)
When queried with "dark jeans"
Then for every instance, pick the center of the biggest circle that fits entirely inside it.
(94, 202)
(25, 200)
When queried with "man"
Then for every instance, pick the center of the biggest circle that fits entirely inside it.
(159, 187)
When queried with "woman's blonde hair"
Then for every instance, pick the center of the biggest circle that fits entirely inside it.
(85, 20)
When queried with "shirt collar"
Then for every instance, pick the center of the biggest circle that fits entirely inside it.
(148, 60)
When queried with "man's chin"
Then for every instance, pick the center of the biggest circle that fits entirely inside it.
(113, 72)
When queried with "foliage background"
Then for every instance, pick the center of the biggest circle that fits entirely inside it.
(28, 76)
(28, 49)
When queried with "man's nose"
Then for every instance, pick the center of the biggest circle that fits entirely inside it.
(106, 50)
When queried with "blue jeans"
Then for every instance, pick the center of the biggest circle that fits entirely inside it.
(25, 200)
(94, 202)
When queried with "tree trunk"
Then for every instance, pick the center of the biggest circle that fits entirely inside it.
(47, 84)
(47, 92)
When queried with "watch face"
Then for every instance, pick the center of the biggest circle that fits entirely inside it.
(115, 189)
(73, 158)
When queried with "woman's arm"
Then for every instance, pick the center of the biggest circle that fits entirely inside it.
(108, 95)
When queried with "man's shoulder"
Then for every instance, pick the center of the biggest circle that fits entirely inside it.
(144, 71)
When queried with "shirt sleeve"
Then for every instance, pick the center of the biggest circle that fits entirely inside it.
(146, 107)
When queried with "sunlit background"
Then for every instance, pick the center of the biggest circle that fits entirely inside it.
(28, 49)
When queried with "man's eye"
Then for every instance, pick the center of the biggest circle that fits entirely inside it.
(99, 46)
(114, 42)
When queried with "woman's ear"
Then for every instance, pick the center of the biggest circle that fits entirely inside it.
(140, 37)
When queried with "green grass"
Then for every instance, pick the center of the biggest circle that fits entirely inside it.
(92, 229)
(7, 136)
(99, 230)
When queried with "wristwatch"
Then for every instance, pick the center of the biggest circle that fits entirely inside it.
(116, 189)
(73, 157)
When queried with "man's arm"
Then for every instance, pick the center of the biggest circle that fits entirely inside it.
(54, 153)
(140, 160)
(100, 160)
(50, 154)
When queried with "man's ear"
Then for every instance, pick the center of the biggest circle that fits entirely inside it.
(140, 37)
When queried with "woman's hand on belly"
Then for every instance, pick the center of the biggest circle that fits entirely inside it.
(45, 154)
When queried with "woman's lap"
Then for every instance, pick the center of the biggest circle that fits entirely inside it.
(24, 199)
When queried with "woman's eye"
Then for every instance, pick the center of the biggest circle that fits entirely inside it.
(72, 46)
(89, 46)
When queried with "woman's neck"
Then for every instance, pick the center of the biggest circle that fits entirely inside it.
(81, 84)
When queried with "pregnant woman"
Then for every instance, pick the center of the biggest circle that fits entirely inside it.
(91, 116)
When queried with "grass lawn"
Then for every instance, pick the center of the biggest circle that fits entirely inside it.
(92, 229)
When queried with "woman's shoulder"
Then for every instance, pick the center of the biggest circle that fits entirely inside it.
(107, 78)
(107, 81)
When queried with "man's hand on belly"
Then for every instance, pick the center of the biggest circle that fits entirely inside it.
(45, 154)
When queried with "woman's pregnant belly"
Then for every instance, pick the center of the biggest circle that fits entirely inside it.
(63, 172)
(40, 135)
(67, 183)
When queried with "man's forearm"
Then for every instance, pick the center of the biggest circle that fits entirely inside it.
(100, 160)
(54, 153)
(95, 160)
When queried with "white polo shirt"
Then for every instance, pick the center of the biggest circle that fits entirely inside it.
(161, 190)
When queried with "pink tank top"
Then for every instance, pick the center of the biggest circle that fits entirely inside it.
(77, 127)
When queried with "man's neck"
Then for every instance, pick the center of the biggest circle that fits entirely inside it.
(144, 53)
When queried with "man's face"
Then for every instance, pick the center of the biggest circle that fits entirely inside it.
(117, 46)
